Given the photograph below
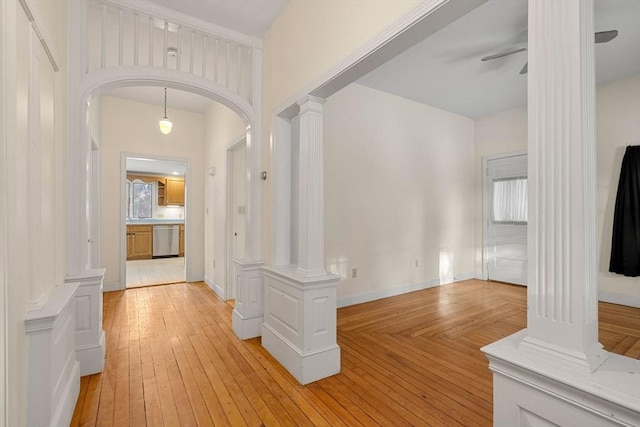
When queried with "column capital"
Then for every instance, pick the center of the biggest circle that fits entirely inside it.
(311, 103)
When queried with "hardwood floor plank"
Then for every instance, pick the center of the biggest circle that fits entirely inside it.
(414, 359)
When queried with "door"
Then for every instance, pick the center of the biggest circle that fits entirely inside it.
(237, 209)
(505, 202)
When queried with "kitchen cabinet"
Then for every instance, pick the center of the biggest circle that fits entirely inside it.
(174, 192)
(139, 242)
(181, 241)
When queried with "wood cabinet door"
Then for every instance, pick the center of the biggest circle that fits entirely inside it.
(140, 242)
(174, 192)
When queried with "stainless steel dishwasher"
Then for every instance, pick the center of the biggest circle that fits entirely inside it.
(165, 240)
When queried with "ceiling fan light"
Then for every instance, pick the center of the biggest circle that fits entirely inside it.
(165, 126)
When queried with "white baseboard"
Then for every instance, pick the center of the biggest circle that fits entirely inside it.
(385, 293)
(111, 287)
(246, 328)
(613, 298)
(215, 288)
(91, 357)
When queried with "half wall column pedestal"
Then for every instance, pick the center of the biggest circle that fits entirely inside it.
(556, 372)
(247, 314)
(90, 337)
(300, 309)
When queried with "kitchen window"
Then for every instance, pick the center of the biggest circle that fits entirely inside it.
(139, 199)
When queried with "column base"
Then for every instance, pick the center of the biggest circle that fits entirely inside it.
(532, 388)
(91, 357)
(587, 362)
(305, 367)
(246, 328)
(299, 327)
(247, 314)
(90, 337)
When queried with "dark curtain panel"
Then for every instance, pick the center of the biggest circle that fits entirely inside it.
(625, 244)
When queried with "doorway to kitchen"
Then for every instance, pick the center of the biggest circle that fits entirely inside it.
(154, 208)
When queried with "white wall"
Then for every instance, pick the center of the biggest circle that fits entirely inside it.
(223, 127)
(399, 183)
(33, 113)
(503, 132)
(307, 39)
(617, 125)
(132, 127)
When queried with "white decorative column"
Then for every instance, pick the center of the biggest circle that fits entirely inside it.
(247, 314)
(299, 327)
(556, 372)
(310, 189)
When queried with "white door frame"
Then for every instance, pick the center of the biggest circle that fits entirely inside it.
(230, 289)
(123, 207)
(486, 204)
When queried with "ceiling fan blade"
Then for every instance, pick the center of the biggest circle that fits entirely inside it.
(500, 55)
(606, 36)
(525, 68)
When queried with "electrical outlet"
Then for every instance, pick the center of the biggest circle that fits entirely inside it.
(354, 273)
(417, 264)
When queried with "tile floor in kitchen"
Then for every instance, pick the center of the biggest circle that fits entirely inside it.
(160, 271)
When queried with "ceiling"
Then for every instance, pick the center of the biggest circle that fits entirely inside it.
(176, 99)
(444, 70)
(160, 167)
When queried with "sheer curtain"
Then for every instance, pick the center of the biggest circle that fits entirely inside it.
(510, 200)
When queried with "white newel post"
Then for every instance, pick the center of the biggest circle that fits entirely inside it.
(556, 372)
(300, 311)
(247, 314)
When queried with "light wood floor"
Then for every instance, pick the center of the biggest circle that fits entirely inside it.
(173, 360)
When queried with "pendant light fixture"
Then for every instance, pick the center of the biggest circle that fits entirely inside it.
(165, 124)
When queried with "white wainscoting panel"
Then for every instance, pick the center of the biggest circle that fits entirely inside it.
(54, 372)
(90, 337)
(299, 327)
(534, 389)
(247, 313)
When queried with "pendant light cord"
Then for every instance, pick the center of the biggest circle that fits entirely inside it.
(165, 102)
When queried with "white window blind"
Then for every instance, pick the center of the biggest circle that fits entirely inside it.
(510, 200)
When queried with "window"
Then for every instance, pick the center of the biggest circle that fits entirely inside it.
(140, 199)
(510, 200)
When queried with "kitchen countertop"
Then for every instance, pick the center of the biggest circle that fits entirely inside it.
(154, 221)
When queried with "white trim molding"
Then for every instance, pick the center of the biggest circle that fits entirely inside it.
(399, 290)
(219, 290)
(621, 299)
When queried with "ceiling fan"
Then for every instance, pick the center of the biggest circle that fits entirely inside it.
(600, 37)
